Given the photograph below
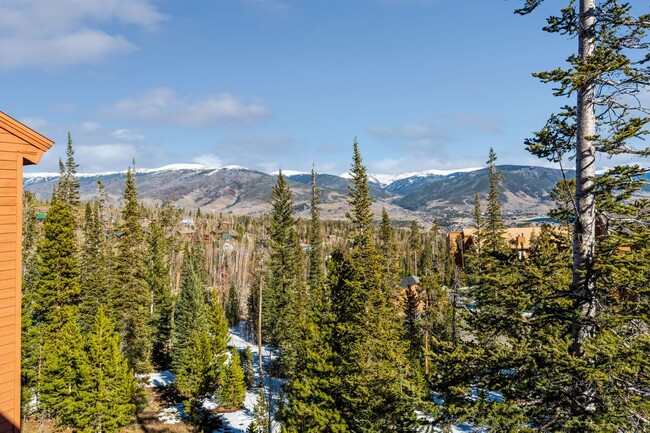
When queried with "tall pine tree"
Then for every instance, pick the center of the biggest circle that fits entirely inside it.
(131, 291)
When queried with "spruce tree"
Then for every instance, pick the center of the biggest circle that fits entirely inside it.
(388, 251)
(65, 373)
(71, 182)
(246, 356)
(57, 290)
(233, 306)
(195, 374)
(375, 392)
(606, 76)
(110, 387)
(310, 405)
(316, 272)
(131, 291)
(190, 310)
(162, 301)
(95, 289)
(495, 226)
(218, 329)
(415, 243)
(232, 391)
(285, 294)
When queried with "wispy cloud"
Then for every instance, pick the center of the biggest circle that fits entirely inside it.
(208, 159)
(128, 135)
(54, 33)
(164, 105)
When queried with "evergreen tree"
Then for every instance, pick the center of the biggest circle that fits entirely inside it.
(66, 371)
(95, 287)
(219, 336)
(261, 420)
(233, 389)
(57, 290)
(376, 393)
(131, 291)
(70, 182)
(415, 243)
(495, 226)
(190, 310)
(110, 389)
(310, 406)
(606, 76)
(161, 306)
(196, 374)
(388, 251)
(316, 275)
(246, 356)
(285, 300)
(477, 214)
(233, 307)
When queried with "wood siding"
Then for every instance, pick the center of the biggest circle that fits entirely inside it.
(19, 145)
(11, 163)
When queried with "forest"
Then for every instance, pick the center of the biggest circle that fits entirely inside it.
(366, 327)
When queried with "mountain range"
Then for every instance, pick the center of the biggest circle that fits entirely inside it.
(448, 195)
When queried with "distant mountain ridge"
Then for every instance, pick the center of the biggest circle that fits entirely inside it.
(232, 189)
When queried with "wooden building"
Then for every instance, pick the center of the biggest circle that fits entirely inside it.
(19, 145)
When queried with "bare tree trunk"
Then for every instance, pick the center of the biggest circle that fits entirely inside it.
(584, 237)
(259, 337)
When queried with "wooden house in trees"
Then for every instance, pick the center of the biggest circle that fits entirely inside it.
(19, 145)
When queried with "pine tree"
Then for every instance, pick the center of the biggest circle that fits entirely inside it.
(246, 356)
(131, 291)
(65, 372)
(388, 251)
(57, 290)
(70, 182)
(95, 287)
(477, 214)
(109, 391)
(219, 336)
(285, 300)
(310, 405)
(415, 243)
(375, 394)
(495, 226)
(162, 301)
(195, 374)
(261, 410)
(190, 310)
(233, 307)
(233, 389)
(316, 272)
(606, 77)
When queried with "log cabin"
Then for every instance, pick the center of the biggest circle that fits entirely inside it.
(19, 146)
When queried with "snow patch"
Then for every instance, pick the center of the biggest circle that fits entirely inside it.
(158, 379)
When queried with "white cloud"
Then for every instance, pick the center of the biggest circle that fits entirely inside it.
(89, 126)
(102, 157)
(127, 134)
(35, 123)
(209, 160)
(47, 33)
(163, 105)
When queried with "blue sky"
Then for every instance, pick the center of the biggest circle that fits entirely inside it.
(423, 84)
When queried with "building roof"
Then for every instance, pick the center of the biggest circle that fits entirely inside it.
(32, 144)
(408, 281)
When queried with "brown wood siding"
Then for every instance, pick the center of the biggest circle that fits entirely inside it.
(19, 145)
(10, 279)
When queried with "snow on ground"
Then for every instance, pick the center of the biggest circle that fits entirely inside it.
(172, 415)
(238, 421)
(158, 379)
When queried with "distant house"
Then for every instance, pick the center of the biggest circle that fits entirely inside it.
(19, 145)
(459, 242)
